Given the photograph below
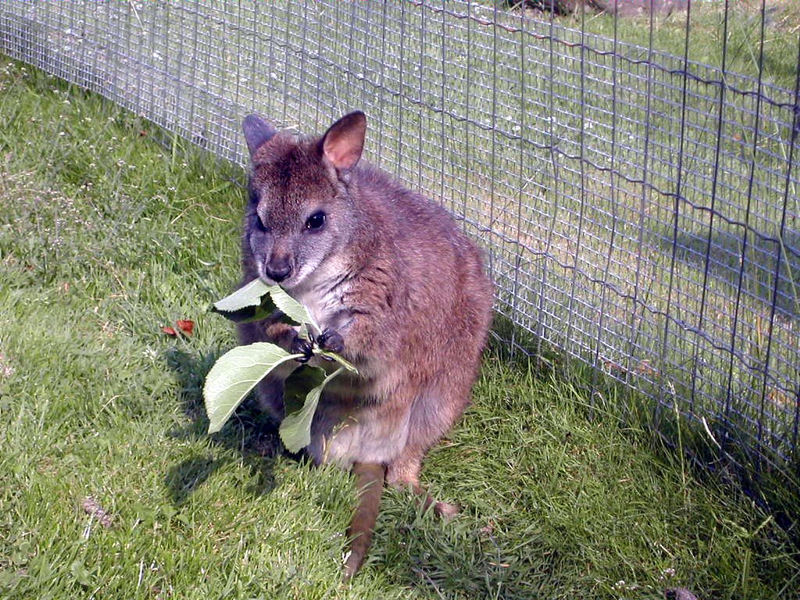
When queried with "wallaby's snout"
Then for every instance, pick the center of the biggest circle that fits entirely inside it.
(274, 256)
(278, 268)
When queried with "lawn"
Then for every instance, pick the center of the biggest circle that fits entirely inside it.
(709, 31)
(110, 487)
(639, 211)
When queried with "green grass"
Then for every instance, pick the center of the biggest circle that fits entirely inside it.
(707, 33)
(542, 141)
(105, 236)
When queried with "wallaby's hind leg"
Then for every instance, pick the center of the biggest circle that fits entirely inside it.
(369, 483)
(404, 472)
(433, 415)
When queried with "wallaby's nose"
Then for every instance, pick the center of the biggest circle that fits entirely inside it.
(278, 272)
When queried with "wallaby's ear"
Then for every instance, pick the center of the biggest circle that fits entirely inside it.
(343, 142)
(256, 132)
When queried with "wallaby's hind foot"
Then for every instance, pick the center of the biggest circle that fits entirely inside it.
(404, 473)
(369, 483)
(446, 510)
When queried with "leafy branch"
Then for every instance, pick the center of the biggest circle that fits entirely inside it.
(239, 370)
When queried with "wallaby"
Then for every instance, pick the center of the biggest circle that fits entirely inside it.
(397, 288)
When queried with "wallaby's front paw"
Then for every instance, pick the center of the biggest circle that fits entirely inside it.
(331, 341)
(304, 347)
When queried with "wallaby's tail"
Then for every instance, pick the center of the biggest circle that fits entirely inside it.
(369, 483)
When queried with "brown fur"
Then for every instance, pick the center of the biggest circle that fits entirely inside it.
(394, 276)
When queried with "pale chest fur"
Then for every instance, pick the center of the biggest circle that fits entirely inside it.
(323, 295)
(349, 425)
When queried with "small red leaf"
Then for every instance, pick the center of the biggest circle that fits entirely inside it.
(169, 330)
(186, 326)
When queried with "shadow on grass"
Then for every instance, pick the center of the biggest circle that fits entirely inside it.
(413, 547)
(722, 450)
(255, 438)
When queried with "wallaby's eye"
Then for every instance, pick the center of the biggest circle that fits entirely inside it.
(315, 221)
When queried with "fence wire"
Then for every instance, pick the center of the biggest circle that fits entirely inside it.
(639, 210)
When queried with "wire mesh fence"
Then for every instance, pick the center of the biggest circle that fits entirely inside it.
(639, 209)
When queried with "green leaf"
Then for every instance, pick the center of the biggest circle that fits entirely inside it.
(257, 300)
(291, 307)
(333, 356)
(246, 296)
(249, 303)
(295, 430)
(252, 313)
(299, 384)
(80, 573)
(236, 373)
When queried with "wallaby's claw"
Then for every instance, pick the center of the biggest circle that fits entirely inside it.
(331, 341)
(304, 347)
